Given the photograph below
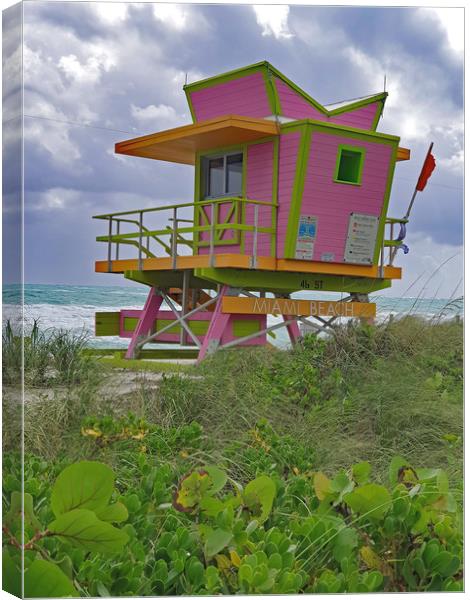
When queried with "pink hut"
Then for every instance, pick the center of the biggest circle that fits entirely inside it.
(289, 195)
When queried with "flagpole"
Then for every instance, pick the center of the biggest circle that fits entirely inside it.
(410, 206)
(416, 188)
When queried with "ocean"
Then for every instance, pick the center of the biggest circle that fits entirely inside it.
(72, 307)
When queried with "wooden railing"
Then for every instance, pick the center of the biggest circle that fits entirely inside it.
(207, 228)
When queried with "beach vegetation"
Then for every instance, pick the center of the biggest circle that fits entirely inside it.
(334, 467)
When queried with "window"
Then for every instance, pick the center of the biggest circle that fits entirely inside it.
(223, 175)
(349, 165)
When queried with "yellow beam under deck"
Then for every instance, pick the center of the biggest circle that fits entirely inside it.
(403, 154)
(243, 261)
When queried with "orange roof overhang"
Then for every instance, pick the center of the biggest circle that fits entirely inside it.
(181, 144)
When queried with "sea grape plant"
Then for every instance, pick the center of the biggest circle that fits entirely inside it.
(204, 533)
(83, 518)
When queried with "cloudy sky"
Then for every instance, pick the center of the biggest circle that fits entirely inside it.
(96, 73)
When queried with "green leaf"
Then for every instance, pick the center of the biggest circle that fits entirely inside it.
(259, 496)
(13, 517)
(113, 513)
(191, 490)
(11, 575)
(445, 564)
(218, 477)
(216, 541)
(371, 499)
(340, 486)
(86, 484)
(211, 506)
(83, 529)
(195, 572)
(321, 484)
(45, 580)
(361, 472)
(373, 580)
(344, 542)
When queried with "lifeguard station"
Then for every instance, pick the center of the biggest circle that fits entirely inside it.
(289, 195)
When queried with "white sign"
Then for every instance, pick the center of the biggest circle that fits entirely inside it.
(306, 236)
(361, 239)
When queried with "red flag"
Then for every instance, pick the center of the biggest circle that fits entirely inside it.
(428, 168)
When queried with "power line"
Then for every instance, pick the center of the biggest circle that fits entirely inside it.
(77, 124)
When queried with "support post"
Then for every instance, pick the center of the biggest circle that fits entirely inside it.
(110, 233)
(174, 241)
(216, 329)
(141, 219)
(146, 320)
(292, 326)
(212, 235)
(184, 304)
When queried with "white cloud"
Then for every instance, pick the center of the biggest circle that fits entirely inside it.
(454, 163)
(163, 114)
(179, 17)
(56, 199)
(90, 71)
(429, 269)
(452, 20)
(111, 13)
(173, 15)
(273, 20)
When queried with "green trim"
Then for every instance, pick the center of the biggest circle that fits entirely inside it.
(226, 225)
(381, 97)
(357, 150)
(378, 114)
(346, 108)
(271, 89)
(299, 90)
(341, 130)
(386, 200)
(275, 195)
(197, 198)
(191, 106)
(272, 92)
(297, 191)
(243, 211)
(288, 282)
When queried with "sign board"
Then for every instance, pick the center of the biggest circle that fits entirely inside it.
(361, 239)
(306, 236)
(298, 308)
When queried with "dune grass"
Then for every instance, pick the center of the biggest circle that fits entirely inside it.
(45, 357)
(366, 393)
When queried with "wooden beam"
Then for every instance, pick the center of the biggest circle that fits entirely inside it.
(403, 154)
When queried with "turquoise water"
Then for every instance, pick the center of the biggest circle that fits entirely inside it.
(73, 307)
